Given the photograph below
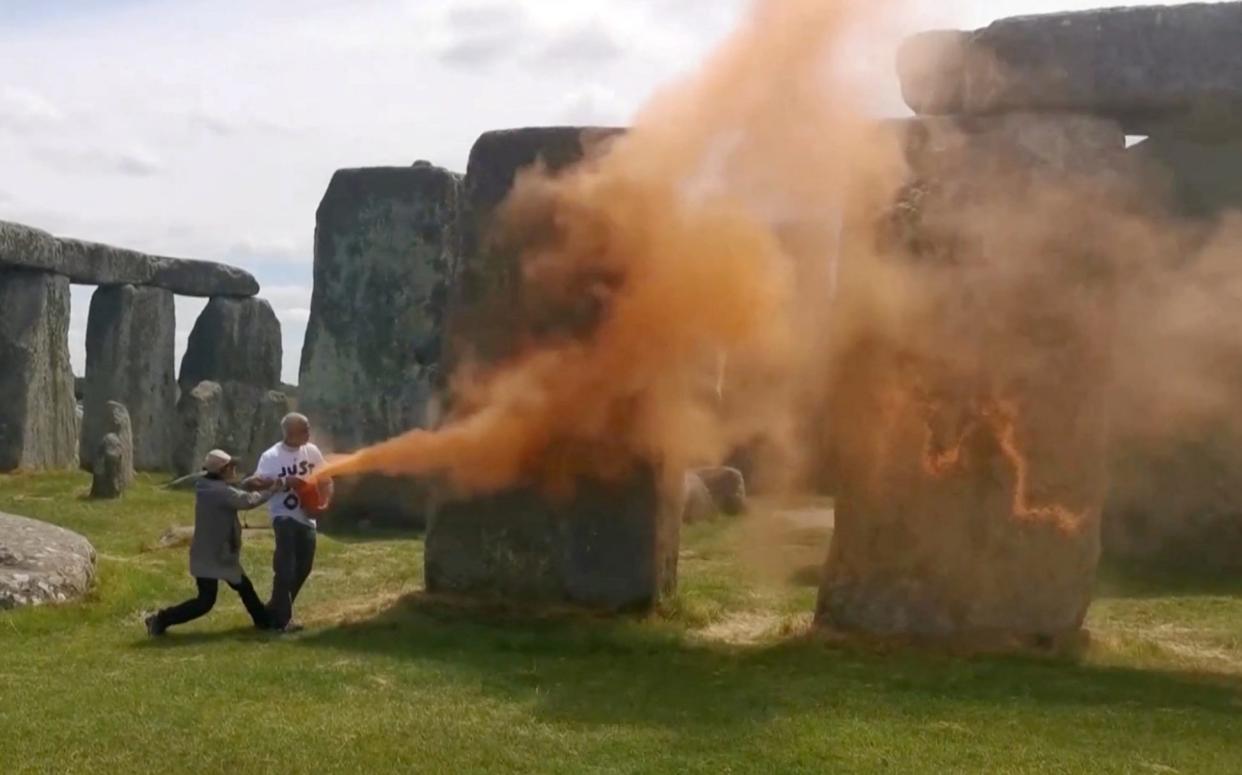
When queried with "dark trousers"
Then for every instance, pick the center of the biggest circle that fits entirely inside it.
(291, 565)
(206, 600)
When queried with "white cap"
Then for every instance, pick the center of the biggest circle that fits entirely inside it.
(216, 461)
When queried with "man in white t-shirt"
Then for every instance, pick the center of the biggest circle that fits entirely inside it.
(294, 457)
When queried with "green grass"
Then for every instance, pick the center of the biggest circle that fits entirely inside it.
(724, 680)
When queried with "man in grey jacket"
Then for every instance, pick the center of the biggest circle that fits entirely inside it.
(215, 551)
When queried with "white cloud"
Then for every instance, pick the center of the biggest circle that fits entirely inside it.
(134, 162)
(586, 45)
(23, 110)
(594, 105)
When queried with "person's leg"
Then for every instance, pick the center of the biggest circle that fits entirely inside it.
(307, 541)
(250, 599)
(190, 609)
(284, 571)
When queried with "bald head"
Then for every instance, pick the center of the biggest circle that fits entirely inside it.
(296, 429)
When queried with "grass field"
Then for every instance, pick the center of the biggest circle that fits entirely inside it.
(725, 680)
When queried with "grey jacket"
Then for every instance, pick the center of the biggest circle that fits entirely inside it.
(215, 552)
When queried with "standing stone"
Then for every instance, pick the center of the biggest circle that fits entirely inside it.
(198, 426)
(727, 488)
(1153, 69)
(116, 422)
(109, 479)
(611, 547)
(970, 423)
(697, 503)
(233, 340)
(130, 339)
(266, 431)
(37, 427)
(612, 544)
(1174, 484)
(385, 250)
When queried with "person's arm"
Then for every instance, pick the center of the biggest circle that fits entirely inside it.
(263, 477)
(241, 500)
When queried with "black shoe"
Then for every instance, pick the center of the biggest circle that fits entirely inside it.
(153, 626)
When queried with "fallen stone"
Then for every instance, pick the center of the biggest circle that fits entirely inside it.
(42, 563)
(109, 479)
(610, 547)
(233, 340)
(90, 263)
(697, 504)
(971, 485)
(199, 411)
(176, 537)
(37, 426)
(130, 340)
(727, 488)
(1153, 69)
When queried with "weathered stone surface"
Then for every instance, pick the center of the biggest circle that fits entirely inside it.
(114, 421)
(91, 263)
(109, 479)
(42, 563)
(697, 504)
(727, 488)
(486, 296)
(130, 338)
(265, 429)
(1198, 179)
(610, 547)
(199, 411)
(37, 427)
(970, 423)
(233, 340)
(386, 246)
(1153, 68)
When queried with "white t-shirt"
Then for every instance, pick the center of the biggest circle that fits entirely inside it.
(280, 461)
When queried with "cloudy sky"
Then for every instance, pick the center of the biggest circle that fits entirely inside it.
(210, 128)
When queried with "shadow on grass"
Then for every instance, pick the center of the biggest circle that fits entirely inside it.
(586, 670)
(174, 639)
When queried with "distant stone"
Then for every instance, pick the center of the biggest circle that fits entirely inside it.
(91, 263)
(37, 426)
(199, 413)
(233, 340)
(1152, 68)
(130, 340)
(176, 537)
(42, 563)
(697, 504)
(115, 422)
(265, 430)
(609, 547)
(727, 488)
(109, 479)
